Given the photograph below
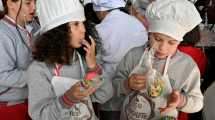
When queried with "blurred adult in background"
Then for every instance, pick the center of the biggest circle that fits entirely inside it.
(17, 28)
(119, 33)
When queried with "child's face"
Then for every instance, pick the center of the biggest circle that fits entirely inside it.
(77, 33)
(27, 10)
(164, 45)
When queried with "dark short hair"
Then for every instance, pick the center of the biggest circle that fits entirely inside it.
(192, 37)
(90, 14)
(53, 46)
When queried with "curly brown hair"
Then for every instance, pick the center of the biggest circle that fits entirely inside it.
(53, 46)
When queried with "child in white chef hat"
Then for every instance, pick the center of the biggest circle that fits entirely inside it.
(169, 21)
(63, 82)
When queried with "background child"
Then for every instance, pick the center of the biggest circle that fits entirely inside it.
(17, 32)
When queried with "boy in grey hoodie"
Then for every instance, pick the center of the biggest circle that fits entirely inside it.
(150, 95)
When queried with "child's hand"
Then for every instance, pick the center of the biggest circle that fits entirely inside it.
(173, 102)
(90, 53)
(137, 82)
(92, 79)
(77, 94)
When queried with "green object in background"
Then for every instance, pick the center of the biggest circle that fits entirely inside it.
(168, 118)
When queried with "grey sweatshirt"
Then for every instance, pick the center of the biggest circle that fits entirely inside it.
(182, 70)
(15, 57)
(43, 103)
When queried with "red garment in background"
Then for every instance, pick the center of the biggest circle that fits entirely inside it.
(197, 55)
(14, 112)
(200, 59)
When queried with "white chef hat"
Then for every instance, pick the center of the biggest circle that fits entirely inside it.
(104, 5)
(172, 17)
(1, 6)
(52, 13)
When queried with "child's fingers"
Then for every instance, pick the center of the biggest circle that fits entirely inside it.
(84, 42)
(92, 41)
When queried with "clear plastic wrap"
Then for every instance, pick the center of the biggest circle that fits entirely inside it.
(145, 104)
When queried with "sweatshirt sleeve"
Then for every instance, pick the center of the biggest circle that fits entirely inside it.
(43, 103)
(125, 67)
(121, 76)
(193, 92)
(10, 74)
